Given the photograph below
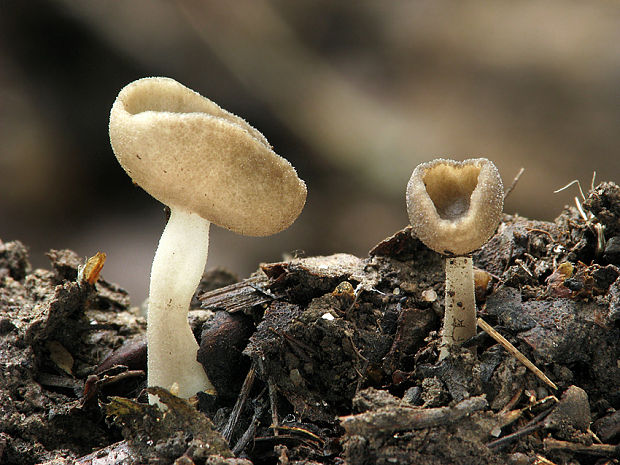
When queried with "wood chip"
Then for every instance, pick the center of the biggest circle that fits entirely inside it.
(236, 297)
(392, 419)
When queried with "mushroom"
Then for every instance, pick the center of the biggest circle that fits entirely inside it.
(454, 208)
(207, 165)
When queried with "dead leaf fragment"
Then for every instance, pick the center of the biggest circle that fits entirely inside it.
(89, 272)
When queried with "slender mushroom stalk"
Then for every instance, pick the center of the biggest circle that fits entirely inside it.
(454, 208)
(177, 268)
(459, 322)
(207, 165)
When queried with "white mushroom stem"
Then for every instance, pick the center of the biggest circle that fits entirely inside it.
(459, 322)
(177, 269)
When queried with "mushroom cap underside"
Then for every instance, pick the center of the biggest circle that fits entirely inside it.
(189, 153)
(455, 207)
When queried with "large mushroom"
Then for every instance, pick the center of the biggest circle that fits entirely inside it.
(207, 165)
(454, 208)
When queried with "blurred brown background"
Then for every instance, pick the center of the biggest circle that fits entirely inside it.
(354, 93)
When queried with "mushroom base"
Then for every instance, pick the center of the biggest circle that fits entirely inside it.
(177, 269)
(460, 312)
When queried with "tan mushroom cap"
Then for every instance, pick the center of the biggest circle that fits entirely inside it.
(189, 153)
(455, 207)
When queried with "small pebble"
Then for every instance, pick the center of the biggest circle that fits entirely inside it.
(572, 411)
(518, 458)
(429, 295)
(412, 395)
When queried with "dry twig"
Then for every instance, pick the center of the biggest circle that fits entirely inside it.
(241, 400)
(604, 450)
(392, 419)
(514, 351)
(514, 183)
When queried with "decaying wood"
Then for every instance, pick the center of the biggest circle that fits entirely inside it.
(238, 296)
(603, 450)
(114, 454)
(391, 419)
(248, 436)
(241, 400)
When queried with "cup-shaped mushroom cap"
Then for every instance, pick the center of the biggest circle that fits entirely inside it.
(189, 153)
(455, 207)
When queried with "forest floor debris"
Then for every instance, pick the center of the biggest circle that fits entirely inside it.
(331, 359)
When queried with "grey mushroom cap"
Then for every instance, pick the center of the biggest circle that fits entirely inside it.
(455, 206)
(189, 153)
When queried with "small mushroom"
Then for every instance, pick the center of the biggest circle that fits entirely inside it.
(454, 208)
(207, 165)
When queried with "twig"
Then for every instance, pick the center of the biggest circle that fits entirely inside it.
(248, 435)
(519, 262)
(498, 443)
(243, 397)
(512, 402)
(581, 210)
(540, 231)
(514, 183)
(540, 460)
(389, 420)
(273, 399)
(604, 450)
(533, 425)
(514, 351)
(600, 238)
(574, 181)
(296, 429)
(589, 219)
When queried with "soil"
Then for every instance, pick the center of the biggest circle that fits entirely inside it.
(330, 360)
